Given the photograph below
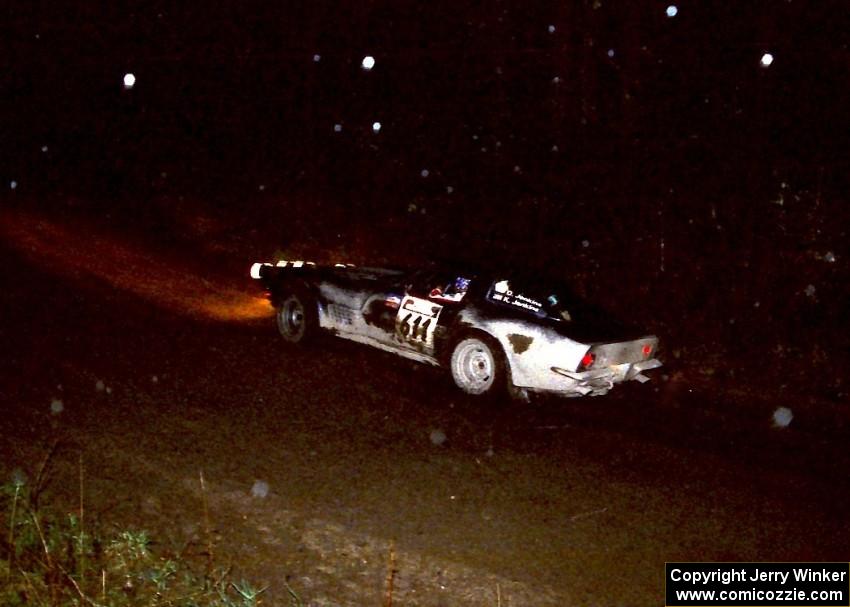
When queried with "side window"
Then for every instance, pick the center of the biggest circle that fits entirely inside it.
(503, 292)
(449, 289)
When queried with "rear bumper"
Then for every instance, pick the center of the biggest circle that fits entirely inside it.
(597, 382)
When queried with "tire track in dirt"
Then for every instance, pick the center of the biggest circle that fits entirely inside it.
(352, 568)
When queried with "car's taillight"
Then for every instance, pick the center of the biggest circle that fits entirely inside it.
(647, 350)
(586, 361)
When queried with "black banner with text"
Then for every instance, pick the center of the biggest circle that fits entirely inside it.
(757, 584)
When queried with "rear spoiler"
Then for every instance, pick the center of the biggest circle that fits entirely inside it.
(260, 268)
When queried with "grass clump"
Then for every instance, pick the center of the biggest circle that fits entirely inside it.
(47, 559)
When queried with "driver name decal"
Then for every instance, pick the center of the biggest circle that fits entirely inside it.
(503, 293)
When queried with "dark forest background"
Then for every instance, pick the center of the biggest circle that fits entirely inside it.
(652, 160)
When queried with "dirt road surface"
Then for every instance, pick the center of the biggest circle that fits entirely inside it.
(323, 469)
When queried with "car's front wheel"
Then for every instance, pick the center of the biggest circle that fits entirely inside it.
(478, 367)
(296, 318)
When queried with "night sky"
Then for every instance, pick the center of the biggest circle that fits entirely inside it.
(692, 152)
(484, 96)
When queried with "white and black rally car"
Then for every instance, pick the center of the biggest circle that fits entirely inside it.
(493, 332)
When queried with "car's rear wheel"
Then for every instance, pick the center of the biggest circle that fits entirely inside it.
(478, 366)
(296, 318)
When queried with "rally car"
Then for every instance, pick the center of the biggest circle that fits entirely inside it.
(493, 332)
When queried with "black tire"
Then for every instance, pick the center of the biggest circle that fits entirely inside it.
(478, 366)
(297, 319)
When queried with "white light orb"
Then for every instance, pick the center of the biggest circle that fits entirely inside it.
(672, 10)
(766, 60)
(368, 62)
(376, 127)
(424, 172)
(316, 58)
(129, 81)
(337, 128)
(260, 489)
(782, 417)
(551, 29)
(611, 53)
(438, 438)
(56, 406)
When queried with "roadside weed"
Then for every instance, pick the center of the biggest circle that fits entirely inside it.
(50, 560)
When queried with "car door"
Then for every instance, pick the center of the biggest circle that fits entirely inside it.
(427, 304)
